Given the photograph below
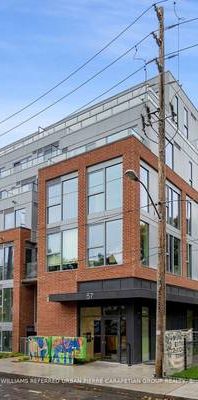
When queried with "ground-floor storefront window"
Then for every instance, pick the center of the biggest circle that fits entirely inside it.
(5, 341)
(105, 329)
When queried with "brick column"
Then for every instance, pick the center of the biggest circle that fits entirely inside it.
(131, 212)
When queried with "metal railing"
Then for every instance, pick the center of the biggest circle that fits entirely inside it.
(29, 164)
(6, 193)
(85, 118)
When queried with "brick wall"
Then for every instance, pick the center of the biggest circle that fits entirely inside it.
(55, 318)
(22, 296)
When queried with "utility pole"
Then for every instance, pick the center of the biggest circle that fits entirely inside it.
(161, 270)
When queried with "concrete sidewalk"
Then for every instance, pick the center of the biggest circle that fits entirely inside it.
(105, 374)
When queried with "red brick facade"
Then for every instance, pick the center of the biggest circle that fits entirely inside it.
(56, 318)
(22, 295)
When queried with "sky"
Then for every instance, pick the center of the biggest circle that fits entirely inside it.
(42, 41)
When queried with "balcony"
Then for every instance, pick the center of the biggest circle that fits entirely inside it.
(30, 271)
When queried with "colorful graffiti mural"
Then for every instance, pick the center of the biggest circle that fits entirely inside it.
(57, 349)
(39, 348)
(64, 350)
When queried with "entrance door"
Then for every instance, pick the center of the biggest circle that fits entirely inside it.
(111, 339)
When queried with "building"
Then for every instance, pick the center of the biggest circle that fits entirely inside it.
(79, 240)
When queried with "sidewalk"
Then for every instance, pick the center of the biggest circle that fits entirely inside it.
(105, 374)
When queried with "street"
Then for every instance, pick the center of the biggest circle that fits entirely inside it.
(16, 387)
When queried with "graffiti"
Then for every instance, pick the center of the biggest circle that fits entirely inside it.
(39, 348)
(65, 350)
(57, 349)
(174, 350)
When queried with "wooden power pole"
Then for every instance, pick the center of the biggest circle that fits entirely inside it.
(161, 271)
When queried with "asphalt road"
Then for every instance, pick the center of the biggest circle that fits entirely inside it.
(14, 387)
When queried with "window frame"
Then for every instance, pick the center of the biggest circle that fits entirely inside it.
(104, 169)
(189, 260)
(71, 178)
(144, 207)
(61, 269)
(57, 204)
(60, 204)
(190, 164)
(186, 123)
(16, 212)
(148, 239)
(48, 254)
(188, 220)
(9, 291)
(170, 192)
(71, 262)
(7, 212)
(104, 245)
(175, 103)
(170, 255)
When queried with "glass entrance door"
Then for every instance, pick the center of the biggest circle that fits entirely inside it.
(111, 339)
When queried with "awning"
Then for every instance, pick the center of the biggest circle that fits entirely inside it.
(132, 288)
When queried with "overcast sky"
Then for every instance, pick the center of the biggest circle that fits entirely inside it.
(42, 41)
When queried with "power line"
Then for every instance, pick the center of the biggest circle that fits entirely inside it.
(174, 53)
(168, 55)
(79, 86)
(82, 65)
(49, 106)
(181, 23)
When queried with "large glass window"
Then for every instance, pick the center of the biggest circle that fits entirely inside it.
(6, 341)
(172, 207)
(54, 202)
(175, 103)
(70, 249)
(96, 191)
(188, 217)
(54, 251)
(6, 262)
(105, 189)
(9, 219)
(190, 166)
(1, 221)
(20, 217)
(6, 303)
(114, 187)
(105, 243)
(70, 198)
(114, 242)
(96, 250)
(62, 200)
(144, 199)
(173, 256)
(62, 250)
(186, 122)
(144, 243)
(189, 260)
(1, 262)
